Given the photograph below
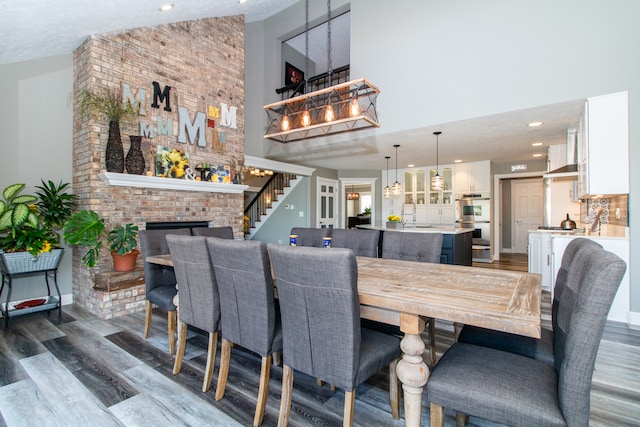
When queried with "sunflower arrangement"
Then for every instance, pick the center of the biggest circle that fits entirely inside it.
(171, 163)
(394, 218)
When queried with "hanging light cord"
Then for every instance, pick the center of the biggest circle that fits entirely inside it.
(329, 48)
(396, 146)
(387, 157)
(437, 153)
(306, 43)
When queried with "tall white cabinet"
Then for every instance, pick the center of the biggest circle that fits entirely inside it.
(603, 146)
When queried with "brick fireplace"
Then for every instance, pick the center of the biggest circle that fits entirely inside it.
(202, 62)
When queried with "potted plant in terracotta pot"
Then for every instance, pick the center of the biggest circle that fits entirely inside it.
(86, 228)
(109, 105)
(28, 238)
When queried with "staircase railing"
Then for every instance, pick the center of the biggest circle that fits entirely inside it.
(264, 199)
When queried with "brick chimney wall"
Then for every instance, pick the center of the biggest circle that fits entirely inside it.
(203, 63)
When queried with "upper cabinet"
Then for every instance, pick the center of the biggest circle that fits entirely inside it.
(414, 186)
(444, 196)
(473, 177)
(603, 146)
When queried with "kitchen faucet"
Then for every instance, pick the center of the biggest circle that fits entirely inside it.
(402, 212)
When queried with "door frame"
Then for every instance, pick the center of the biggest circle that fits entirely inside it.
(496, 213)
(344, 182)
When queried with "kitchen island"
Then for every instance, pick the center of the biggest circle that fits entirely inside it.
(456, 242)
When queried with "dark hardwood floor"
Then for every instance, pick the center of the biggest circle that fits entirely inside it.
(83, 371)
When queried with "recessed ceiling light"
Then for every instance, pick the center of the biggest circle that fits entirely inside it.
(411, 166)
(537, 155)
(536, 144)
(535, 124)
(242, 1)
(166, 7)
(457, 161)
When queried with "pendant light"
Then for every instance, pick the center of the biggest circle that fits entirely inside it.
(396, 185)
(333, 109)
(353, 195)
(437, 182)
(387, 189)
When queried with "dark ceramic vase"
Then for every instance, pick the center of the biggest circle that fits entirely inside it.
(135, 159)
(114, 156)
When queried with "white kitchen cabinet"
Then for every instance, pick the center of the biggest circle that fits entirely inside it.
(413, 208)
(441, 215)
(603, 146)
(440, 207)
(620, 308)
(540, 257)
(473, 177)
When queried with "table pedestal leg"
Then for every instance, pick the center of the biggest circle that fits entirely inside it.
(412, 371)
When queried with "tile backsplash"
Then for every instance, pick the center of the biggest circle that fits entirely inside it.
(615, 210)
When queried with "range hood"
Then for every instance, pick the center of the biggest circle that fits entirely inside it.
(571, 168)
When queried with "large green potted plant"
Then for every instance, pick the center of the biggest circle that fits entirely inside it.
(108, 104)
(55, 206)
(28, 238)
(86, 228)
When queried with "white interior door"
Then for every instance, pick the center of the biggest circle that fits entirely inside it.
(327, 191)
(527, 211)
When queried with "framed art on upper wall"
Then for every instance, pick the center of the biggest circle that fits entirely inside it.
(292, 74)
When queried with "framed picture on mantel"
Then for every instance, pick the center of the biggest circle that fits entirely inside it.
(292, 74)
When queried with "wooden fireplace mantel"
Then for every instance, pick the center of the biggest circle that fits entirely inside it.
(130, 180)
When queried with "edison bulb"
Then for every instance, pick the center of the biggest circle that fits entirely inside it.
(354, 108)
(306, 118)
(328, 114)
(286, 124)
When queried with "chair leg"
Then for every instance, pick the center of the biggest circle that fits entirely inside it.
(182, 343)
(461, 419)
(349, 405)
(437, 415)
(211, 360)
(277, 358)
(432, 339)
(457, 328)
(265, 372)
(394, 394)
(147, 318)
(171, 330)
(285, 399)
(223, 371)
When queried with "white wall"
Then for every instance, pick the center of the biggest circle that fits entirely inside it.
(36, 119)
(437, 62)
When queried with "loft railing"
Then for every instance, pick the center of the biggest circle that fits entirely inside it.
(264, 199)
(321, 81)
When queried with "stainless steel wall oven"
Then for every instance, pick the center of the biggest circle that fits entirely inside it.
(474, 211)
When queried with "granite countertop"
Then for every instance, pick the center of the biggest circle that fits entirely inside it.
(422, 229)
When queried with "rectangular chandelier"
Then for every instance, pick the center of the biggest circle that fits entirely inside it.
(344, 107)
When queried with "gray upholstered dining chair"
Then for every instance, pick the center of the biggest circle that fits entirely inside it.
(247, 308)
(308, 236)
(224, 232)
(535, 348)
(420, 247)
(199, 302)
(322, 336)
(361, 242)
(516, 390)
(159, 280)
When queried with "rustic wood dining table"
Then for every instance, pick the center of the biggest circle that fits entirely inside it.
(404, 293)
